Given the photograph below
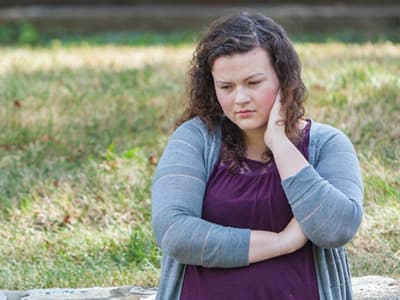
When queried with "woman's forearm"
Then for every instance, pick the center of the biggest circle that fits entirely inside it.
(329, 208)
(266, 244)
(288, 158)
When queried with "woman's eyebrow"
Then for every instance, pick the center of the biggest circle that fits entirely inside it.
(247, 78)
(253, 75)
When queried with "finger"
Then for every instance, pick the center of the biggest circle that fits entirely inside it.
(277, 106)
(278, 95)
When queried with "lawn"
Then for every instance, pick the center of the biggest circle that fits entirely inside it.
(82, 127)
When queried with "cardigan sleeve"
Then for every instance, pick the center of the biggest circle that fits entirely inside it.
(326, 198)
(178, 189)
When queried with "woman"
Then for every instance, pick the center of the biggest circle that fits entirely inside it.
(251, 201)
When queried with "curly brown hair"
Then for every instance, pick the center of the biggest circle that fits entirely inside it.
(240, 33)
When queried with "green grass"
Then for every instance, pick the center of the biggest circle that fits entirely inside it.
(26, 34)
(82, 127)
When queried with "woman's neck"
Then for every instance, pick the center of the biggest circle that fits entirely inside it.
(255, 145)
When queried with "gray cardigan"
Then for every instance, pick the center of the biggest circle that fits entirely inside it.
(325, 197)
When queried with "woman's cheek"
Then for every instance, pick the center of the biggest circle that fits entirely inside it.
(269, 97)
(224, 104)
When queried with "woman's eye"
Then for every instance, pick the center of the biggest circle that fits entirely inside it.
(254, 82)
(225, 87)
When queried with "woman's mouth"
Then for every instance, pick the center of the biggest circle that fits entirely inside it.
(245, 113)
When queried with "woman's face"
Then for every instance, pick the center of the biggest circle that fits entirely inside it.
(246, 86)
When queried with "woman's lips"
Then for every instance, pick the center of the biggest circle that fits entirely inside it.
(245, 113)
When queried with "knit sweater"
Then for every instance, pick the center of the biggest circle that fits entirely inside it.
(325, 198)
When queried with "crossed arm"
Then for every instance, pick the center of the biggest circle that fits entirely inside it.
(177, 195)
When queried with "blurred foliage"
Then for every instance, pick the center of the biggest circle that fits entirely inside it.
(25, 34)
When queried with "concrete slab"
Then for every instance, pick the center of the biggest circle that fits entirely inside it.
(364, 288)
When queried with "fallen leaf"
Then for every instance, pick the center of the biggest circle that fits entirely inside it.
(17, 103)
(153, 160)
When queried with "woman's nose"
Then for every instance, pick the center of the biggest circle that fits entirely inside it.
(241, 97)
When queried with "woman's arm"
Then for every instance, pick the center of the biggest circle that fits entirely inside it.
(177, 196)
(265, 244)
(288, 158)
(325, 199)
(178, 189)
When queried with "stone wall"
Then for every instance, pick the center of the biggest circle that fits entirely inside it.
(224, 2)
(364, 288)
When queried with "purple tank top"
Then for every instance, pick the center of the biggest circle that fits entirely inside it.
(253, 199)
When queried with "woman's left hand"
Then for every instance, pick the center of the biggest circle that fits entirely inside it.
(275, 131)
